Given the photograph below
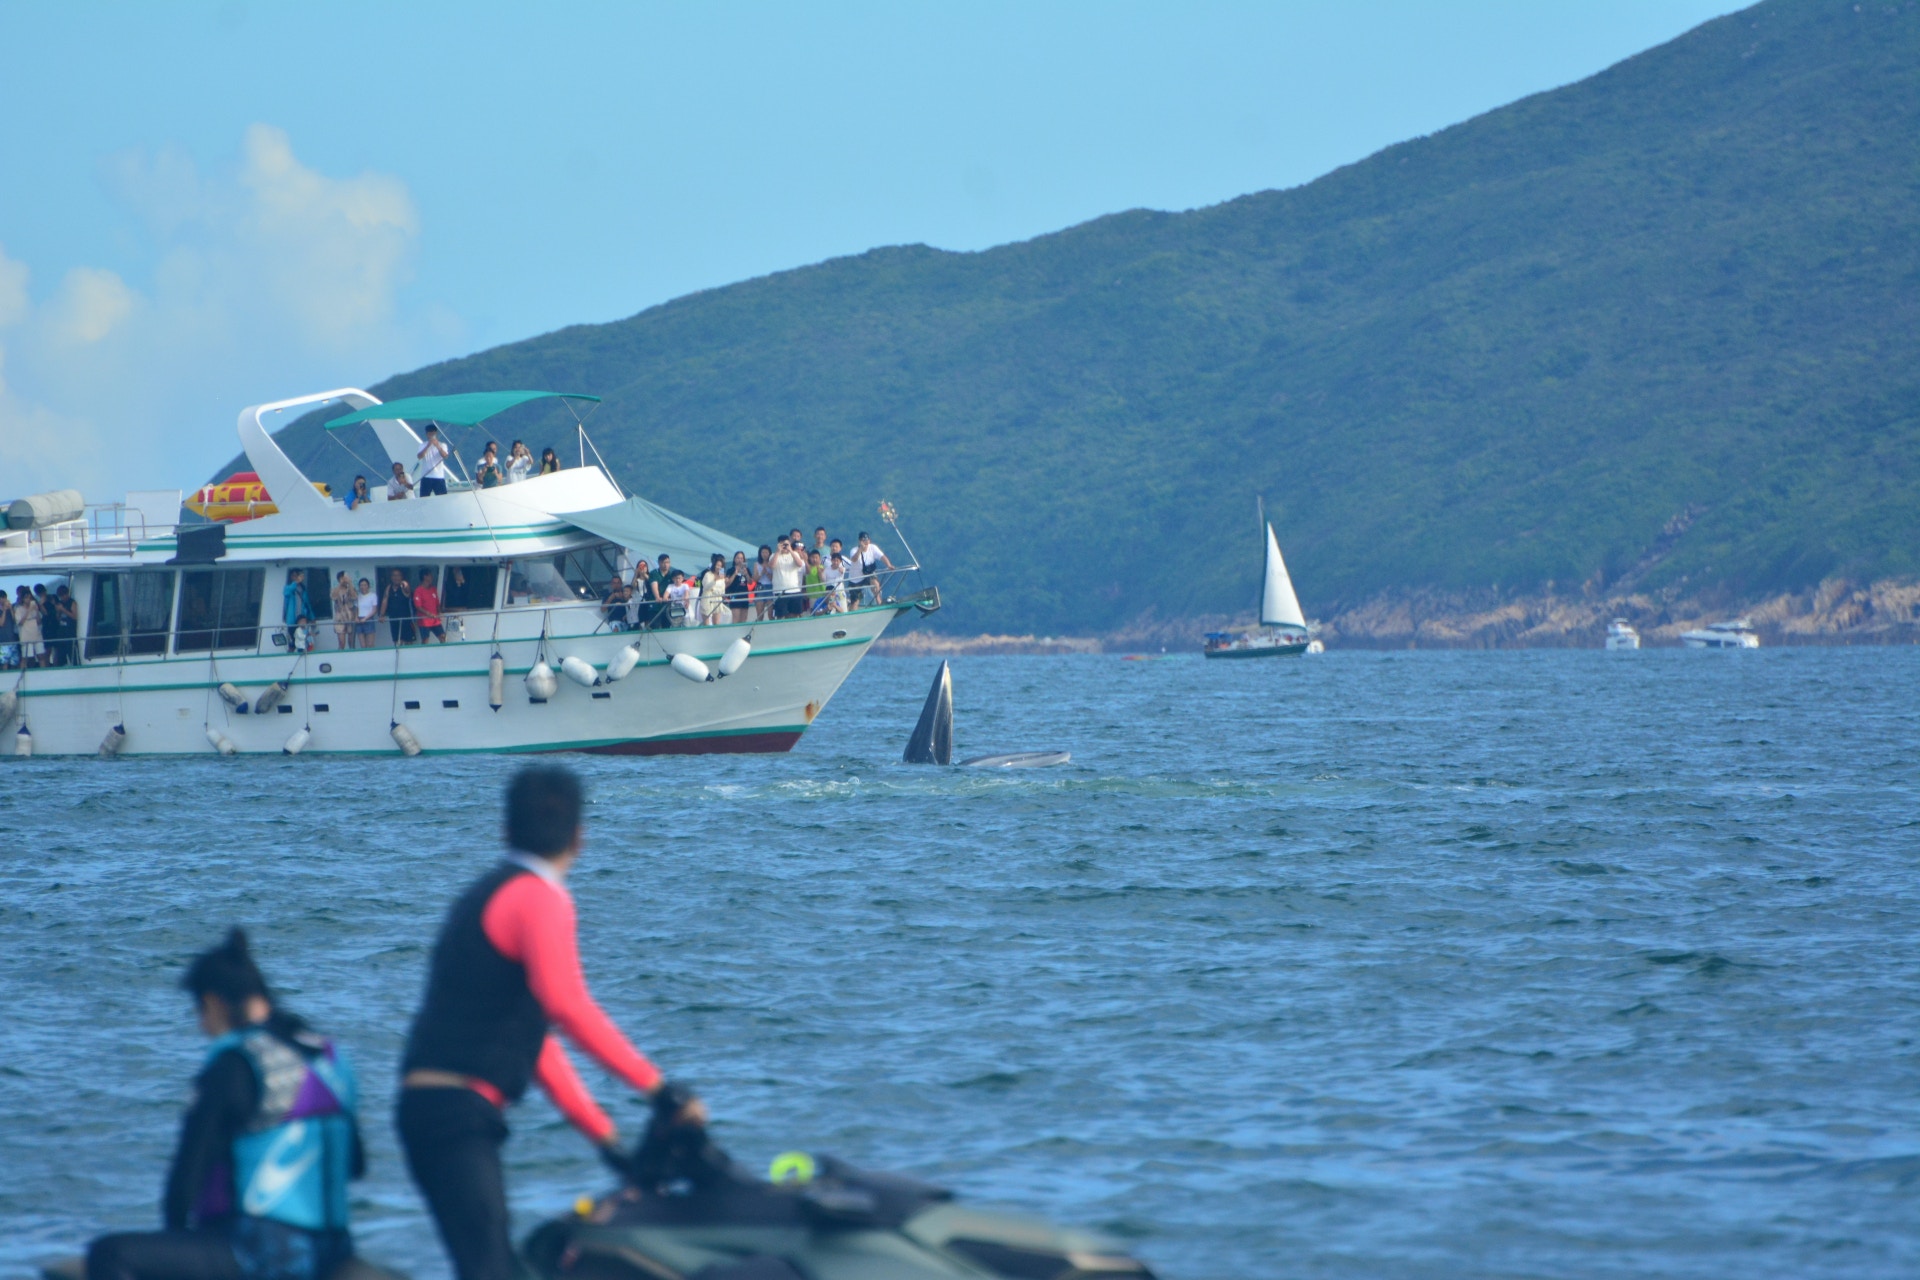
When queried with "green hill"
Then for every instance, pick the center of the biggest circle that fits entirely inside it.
(1660, 325)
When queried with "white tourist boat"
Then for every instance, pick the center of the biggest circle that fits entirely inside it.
(1621, 635)
(1283, 630)
(181, 647)
(1738, 634)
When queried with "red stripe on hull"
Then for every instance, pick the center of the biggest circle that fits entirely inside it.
(730, 744)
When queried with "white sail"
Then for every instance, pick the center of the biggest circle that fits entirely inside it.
(1279, 607)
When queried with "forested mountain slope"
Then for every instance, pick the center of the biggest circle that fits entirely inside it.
(1660, 327)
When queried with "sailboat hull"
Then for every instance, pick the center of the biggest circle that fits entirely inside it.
(1255, 649)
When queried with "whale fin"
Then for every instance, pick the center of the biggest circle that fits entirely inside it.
(932, 741)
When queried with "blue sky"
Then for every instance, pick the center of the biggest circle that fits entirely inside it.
(204, 205)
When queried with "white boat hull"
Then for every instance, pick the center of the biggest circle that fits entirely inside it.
(440, 694)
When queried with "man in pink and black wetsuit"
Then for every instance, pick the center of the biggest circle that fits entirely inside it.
(506, 967)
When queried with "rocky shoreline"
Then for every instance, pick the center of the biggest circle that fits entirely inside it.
(1837, 612)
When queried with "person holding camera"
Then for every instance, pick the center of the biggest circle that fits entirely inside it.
(433, 457)
(505, 970)
(789, 572)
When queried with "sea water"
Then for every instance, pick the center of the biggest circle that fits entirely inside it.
(1412, 964)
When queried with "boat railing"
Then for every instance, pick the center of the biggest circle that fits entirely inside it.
(105, 529)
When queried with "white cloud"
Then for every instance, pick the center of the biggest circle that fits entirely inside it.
(91, 304)
(39, 446)
(334, 249)
(13, 290)
(267, 278)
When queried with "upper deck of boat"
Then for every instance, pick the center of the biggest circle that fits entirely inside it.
(467, 523)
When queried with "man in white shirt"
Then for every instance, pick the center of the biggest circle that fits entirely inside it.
(433, 464)
(867, 561)
(398, 486)
(789, 572)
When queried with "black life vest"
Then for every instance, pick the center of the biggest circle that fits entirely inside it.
(479, 1018)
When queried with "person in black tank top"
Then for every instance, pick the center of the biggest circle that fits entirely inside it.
(503, 969)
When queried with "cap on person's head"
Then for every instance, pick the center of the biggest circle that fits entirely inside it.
(863, 536)
(543, 810)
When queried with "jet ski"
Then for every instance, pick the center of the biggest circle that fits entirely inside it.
(686, 1211)
(351, 1269)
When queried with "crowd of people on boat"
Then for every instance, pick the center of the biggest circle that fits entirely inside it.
(37, 627)
(788, 579)
(435, 453)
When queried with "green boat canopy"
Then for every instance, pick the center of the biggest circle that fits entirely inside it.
(648, 529)
(467, 409)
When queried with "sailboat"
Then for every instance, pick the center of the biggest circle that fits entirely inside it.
(1283, 628)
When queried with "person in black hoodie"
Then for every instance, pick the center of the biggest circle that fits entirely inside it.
(258, 1185)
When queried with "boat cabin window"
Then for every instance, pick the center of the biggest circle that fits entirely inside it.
(131, 613)
(588, 569)
(538, 582)
(219, 609)
(319, 589)
(469, 586)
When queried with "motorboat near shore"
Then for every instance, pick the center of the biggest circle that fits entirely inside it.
(1621, 635)
(1283, 630)
(182, 644)
(1738, 634)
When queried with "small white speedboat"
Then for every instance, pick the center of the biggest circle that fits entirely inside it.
(1621, 635)
(1738, 634)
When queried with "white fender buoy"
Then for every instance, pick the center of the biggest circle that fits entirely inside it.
(622, 665)
(736, 655)
(409, 745)
(116, 738)
(9, 705)
(580, 671)
(541, 682)
(691, 667)
(221, 742)
(298, 742)
(270, 697)
(496, 682)
(233, 697)
(23, 743)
